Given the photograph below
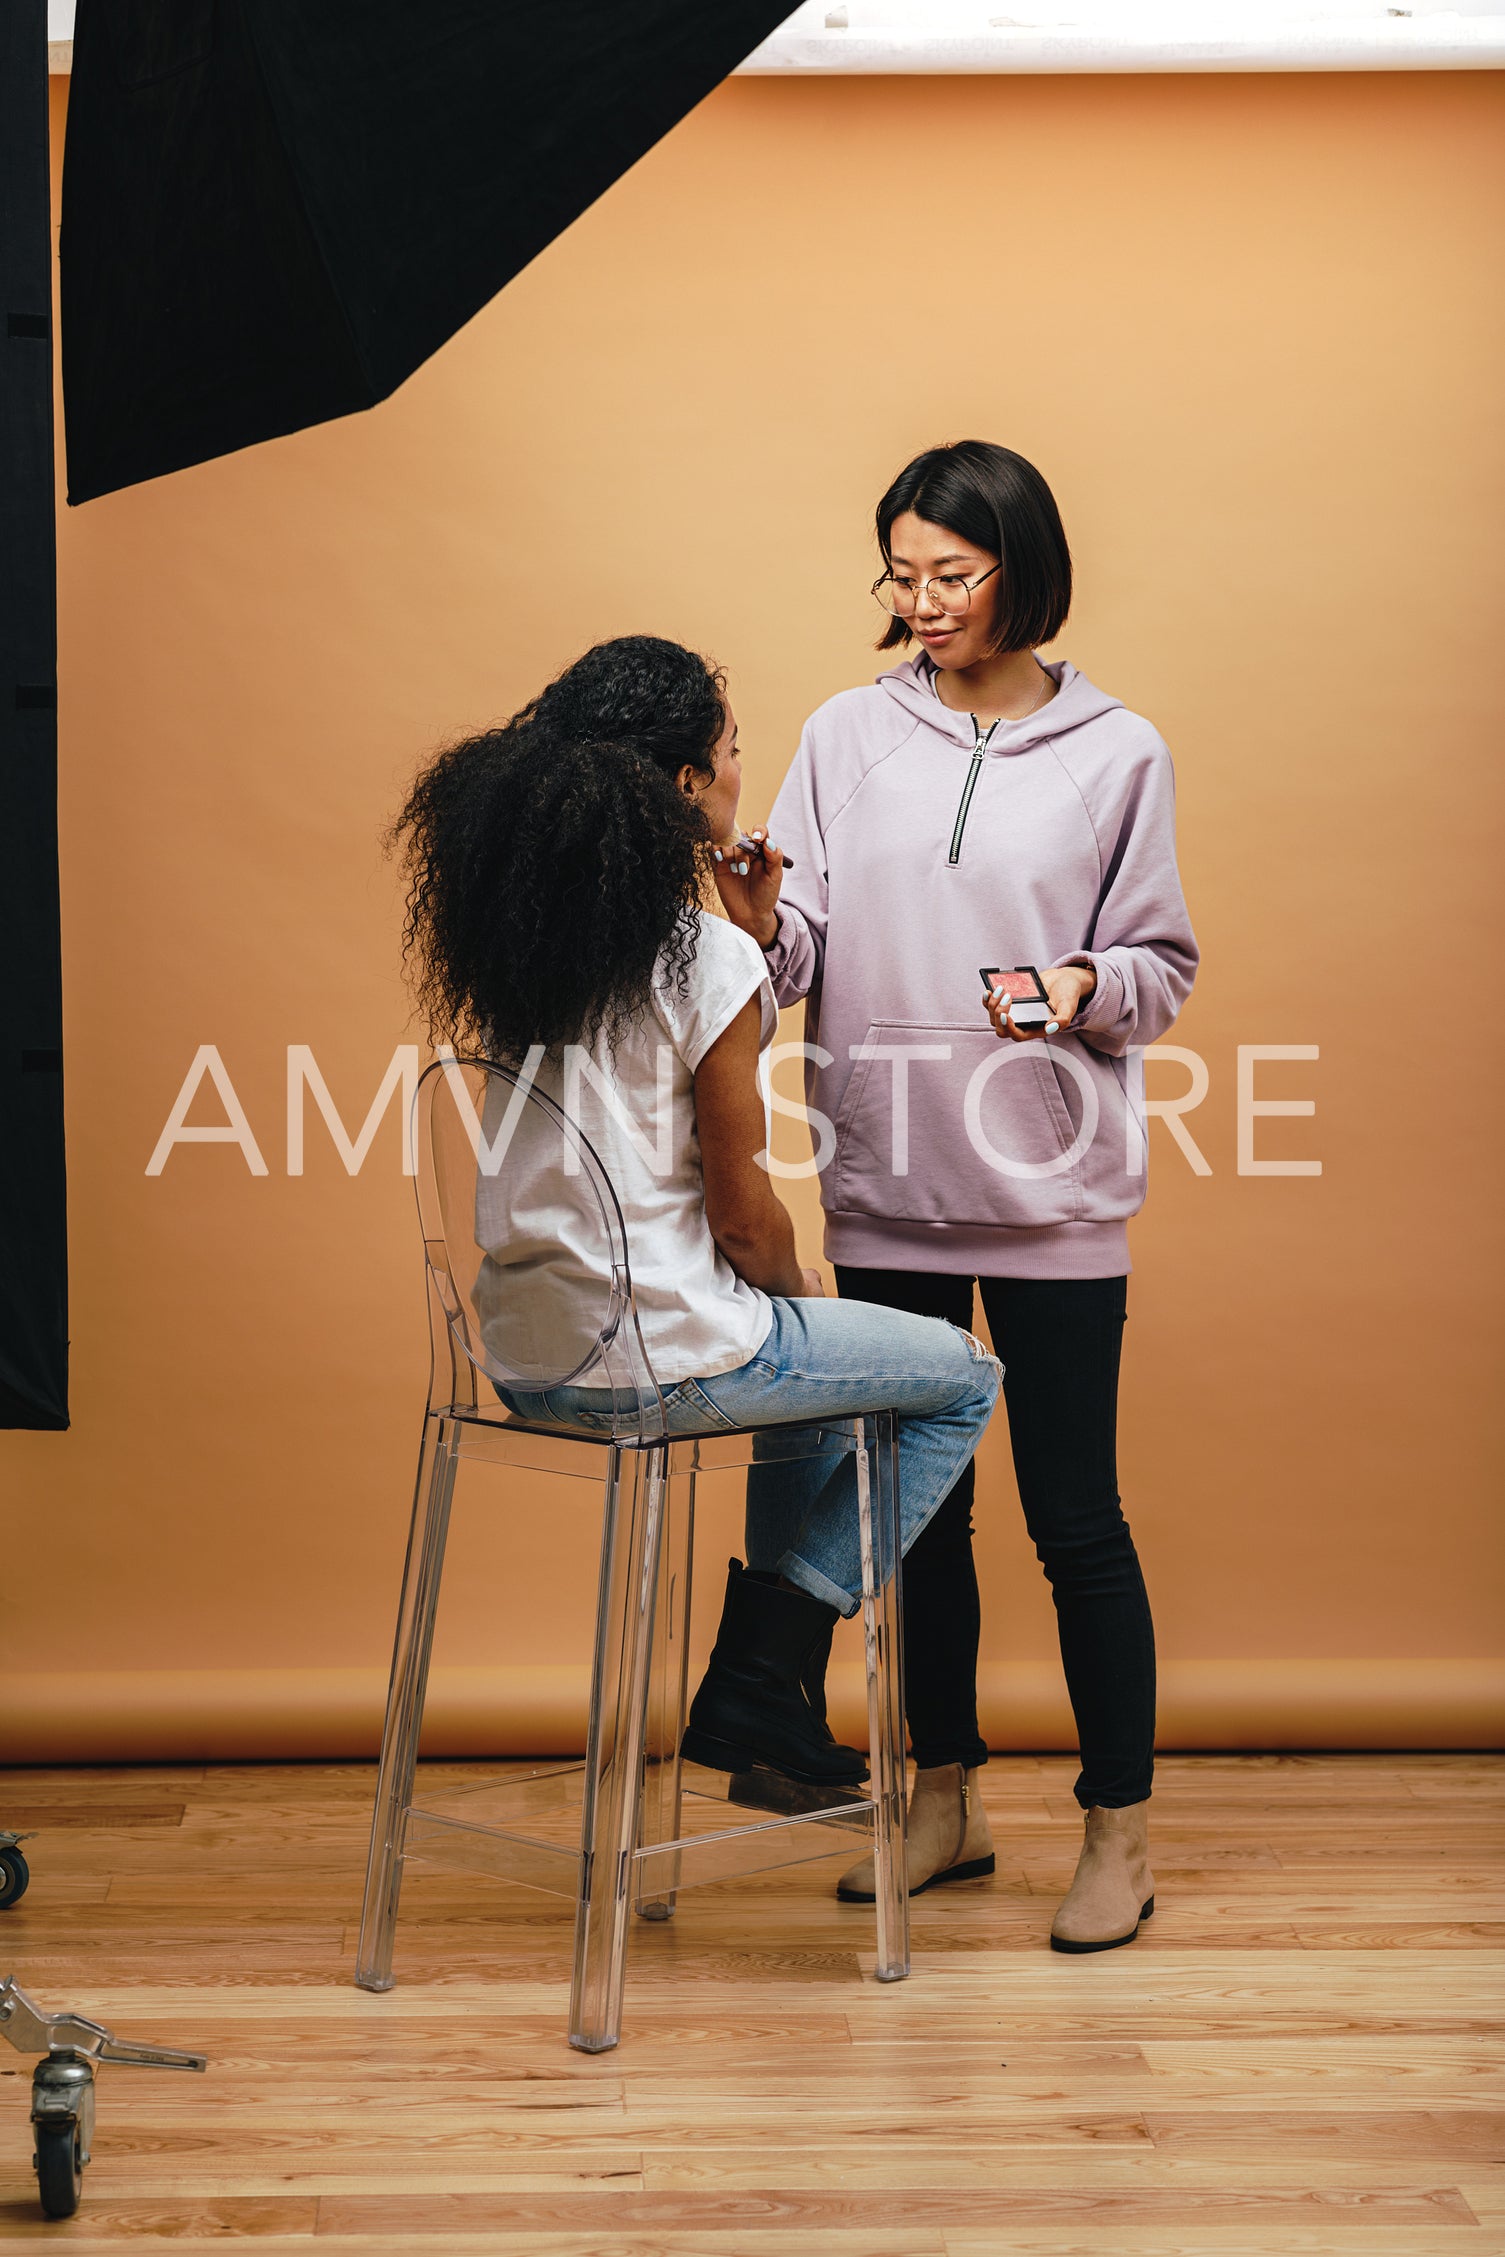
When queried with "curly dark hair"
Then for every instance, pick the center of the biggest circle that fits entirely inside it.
(553, 862)
(640, 690)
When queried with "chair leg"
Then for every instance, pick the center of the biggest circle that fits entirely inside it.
(421, 1577)
(620, 1684)
(882, 1625)
(659, 1820)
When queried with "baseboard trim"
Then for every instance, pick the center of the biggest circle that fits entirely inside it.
(271, 1715)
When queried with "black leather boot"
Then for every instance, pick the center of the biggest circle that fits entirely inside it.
(813, 1672)
(750, 1708)
(816, 1659)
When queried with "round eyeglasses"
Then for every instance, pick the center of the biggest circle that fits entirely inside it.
(947, 592)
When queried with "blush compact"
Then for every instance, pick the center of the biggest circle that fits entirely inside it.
(1029, 1003)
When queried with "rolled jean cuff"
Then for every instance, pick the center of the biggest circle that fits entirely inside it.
(817, 1586)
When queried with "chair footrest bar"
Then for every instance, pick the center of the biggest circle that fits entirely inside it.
(698, 1858)
(507, 1857)
(761, 1789)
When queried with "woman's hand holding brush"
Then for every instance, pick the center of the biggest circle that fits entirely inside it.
(749, 872)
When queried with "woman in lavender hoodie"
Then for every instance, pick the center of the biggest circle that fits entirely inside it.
(977, 806)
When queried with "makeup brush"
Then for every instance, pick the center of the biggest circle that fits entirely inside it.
(750, 846)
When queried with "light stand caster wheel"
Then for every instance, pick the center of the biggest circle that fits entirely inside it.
(62, 2083)
(59, 2165)
(14, 1875)
(62, 2122)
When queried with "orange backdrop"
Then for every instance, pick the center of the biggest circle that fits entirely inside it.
(1250, 330)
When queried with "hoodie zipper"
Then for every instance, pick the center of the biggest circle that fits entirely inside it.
(978, 750)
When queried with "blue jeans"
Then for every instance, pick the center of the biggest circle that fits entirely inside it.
(826, 1360)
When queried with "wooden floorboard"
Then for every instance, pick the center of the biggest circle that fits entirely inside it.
(1301, 2056)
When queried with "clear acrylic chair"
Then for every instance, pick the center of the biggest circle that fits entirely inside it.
(633, 1825)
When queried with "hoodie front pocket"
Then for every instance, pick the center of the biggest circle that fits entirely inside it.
(978, 1135)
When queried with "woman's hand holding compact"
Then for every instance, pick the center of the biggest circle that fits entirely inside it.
(1067, 985)
(749, 873)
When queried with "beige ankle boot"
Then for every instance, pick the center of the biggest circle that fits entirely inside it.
(1114, 1888)
(947, 1836)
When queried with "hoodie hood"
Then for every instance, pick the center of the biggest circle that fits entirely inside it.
(912, 686)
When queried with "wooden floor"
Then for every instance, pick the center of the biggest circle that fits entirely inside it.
(1302, 2054)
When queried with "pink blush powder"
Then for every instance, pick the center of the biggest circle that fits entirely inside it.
(1018, 985)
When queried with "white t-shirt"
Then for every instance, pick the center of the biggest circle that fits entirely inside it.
(542, 1290)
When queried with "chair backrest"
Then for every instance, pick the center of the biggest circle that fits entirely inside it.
(530, 1286)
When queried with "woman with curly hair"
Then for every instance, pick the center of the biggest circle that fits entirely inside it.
(560, 879)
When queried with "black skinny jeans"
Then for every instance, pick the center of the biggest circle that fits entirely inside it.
(1059, 1341)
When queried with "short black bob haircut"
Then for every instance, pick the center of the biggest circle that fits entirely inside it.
(998, 502)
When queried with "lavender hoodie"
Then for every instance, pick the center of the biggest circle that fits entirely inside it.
(923, 850)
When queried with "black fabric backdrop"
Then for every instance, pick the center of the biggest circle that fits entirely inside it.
(33, 1245)
(274, 210)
